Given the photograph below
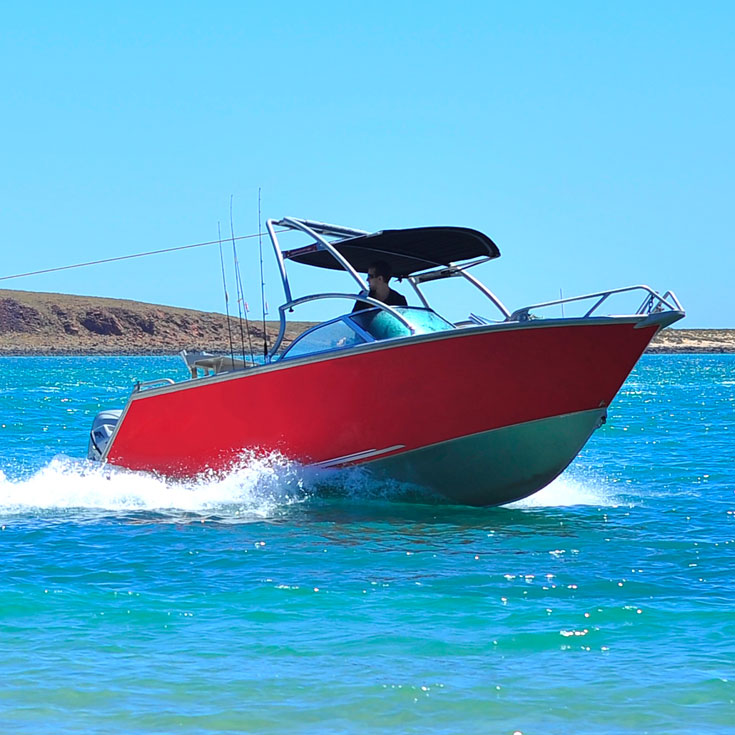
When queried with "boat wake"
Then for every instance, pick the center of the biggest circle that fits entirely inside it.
(256, 488)
(568, 491)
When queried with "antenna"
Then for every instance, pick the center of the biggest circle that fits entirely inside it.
(262, 279)
(227, 298)
(240, 293)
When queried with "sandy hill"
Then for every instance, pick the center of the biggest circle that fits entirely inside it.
(694, 340)
(49, 323)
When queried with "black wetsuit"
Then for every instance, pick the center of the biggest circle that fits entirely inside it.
(393, 299)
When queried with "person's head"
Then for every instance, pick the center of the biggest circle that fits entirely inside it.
(379, 273)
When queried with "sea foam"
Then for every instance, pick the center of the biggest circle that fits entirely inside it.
(566, 491)
(256, 486)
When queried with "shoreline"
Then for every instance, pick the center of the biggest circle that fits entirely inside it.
(669, 342)
(71, 353)
(52, 324)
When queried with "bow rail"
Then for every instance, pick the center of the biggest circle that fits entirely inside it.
(653, 302)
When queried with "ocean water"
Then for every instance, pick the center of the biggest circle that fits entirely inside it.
(278, 600)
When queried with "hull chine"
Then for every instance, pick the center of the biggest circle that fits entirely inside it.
(498, 466)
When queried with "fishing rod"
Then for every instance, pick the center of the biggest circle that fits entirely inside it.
(227, 298)
(240, 295)
(262, 278)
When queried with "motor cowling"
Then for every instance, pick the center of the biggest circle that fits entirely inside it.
(103, 427)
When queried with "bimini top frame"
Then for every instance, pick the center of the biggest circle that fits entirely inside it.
(418, 255)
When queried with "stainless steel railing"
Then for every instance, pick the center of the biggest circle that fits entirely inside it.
(653, 302)
(151, 383)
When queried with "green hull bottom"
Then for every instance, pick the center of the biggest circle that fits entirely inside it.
(497, 466)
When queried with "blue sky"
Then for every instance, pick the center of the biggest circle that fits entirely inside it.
(592, 141)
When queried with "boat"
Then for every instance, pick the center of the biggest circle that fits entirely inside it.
(485, 411)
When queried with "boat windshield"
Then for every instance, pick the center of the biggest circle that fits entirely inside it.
(369, 325)
(380, 324)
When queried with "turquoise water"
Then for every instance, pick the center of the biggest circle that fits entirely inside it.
(263, 603)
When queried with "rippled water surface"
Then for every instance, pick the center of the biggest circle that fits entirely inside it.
(277, 600)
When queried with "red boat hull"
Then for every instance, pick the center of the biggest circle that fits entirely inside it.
(494, 399)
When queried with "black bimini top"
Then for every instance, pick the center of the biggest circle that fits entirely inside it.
(408, 251)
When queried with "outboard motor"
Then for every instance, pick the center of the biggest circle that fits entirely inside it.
(102, 427)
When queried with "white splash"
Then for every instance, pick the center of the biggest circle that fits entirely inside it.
(256, 486)
(567, 491)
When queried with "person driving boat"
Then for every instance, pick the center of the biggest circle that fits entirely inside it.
(378, 277)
